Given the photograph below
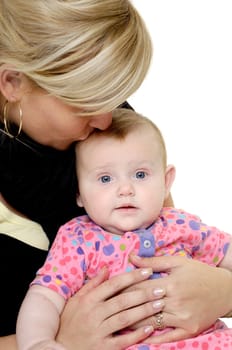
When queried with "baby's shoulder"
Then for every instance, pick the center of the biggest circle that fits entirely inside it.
(177, 216)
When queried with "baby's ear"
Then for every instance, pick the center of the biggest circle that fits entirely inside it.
(79, 200)
(170, 175)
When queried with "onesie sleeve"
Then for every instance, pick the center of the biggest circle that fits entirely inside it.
(64, 267)
(208, 243)
(205, 243)
(213, 243)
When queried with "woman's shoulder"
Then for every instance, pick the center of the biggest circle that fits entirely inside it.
(38, 181)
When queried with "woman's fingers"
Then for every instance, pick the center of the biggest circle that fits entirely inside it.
(99, 289)
(167, 321)
(125, 317)
(129, 339)
(170, 336)
(122, 310)
(117, 283)
(158, 264)
(130, 299)
(106, 313)
(94, 282)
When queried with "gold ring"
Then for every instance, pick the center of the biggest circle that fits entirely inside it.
(159, 320)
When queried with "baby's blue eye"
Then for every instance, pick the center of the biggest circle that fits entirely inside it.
(140, 175)
(105, 178)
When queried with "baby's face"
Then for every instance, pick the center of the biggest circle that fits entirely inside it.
(121, 182)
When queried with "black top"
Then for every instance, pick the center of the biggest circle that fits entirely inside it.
(38, 181)
(41, 183)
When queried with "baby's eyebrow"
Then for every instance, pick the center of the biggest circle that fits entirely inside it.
(99, 169)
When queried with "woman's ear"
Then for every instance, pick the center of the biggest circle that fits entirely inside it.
(11, 85)
(170, 175)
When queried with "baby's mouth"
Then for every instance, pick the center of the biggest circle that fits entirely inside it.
(126, 207)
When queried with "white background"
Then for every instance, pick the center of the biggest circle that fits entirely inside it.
(188, 94)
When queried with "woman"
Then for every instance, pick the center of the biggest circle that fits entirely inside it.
(64, 65)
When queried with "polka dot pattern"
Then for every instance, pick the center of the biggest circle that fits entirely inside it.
(81, 249)
(219, 339)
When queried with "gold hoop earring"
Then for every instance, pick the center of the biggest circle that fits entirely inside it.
(5, 117)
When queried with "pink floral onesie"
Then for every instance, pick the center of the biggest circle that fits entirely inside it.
(81, 248)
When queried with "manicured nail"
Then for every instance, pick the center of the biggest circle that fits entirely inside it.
(135, 256)
(147, 272)
(148, 329)
(158, 304)
(103, 270)
(159, 292)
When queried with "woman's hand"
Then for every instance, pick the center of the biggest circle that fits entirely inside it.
(195, 295)
(93, 316)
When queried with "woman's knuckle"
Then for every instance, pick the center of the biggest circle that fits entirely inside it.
(114, 284)
(124, 319)
(195, 329)
(123, 301)
(191, 326)
(184, 316)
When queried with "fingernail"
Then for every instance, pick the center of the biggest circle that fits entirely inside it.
(158, 304)
(147, 272)
(103, 270)
(148, 329)
(159, 292)
(135, 256)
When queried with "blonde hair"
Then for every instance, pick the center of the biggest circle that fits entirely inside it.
(125, 121)
(92, 54)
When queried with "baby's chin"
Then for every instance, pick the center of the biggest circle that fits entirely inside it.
(121, 230)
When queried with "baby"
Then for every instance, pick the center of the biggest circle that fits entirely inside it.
(123, 180)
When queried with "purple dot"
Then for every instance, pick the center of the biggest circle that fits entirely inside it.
(97, 246)
(160, 243)
(65, 289)
(47, 279)
(195, 248)
(180, 221)
(80, 251)
(108, 250)
(194, 225)
(226, 246)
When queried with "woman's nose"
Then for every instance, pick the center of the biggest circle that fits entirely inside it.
(101, 121)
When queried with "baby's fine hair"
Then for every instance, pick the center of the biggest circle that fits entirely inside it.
(92, 54)
(125, 121)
